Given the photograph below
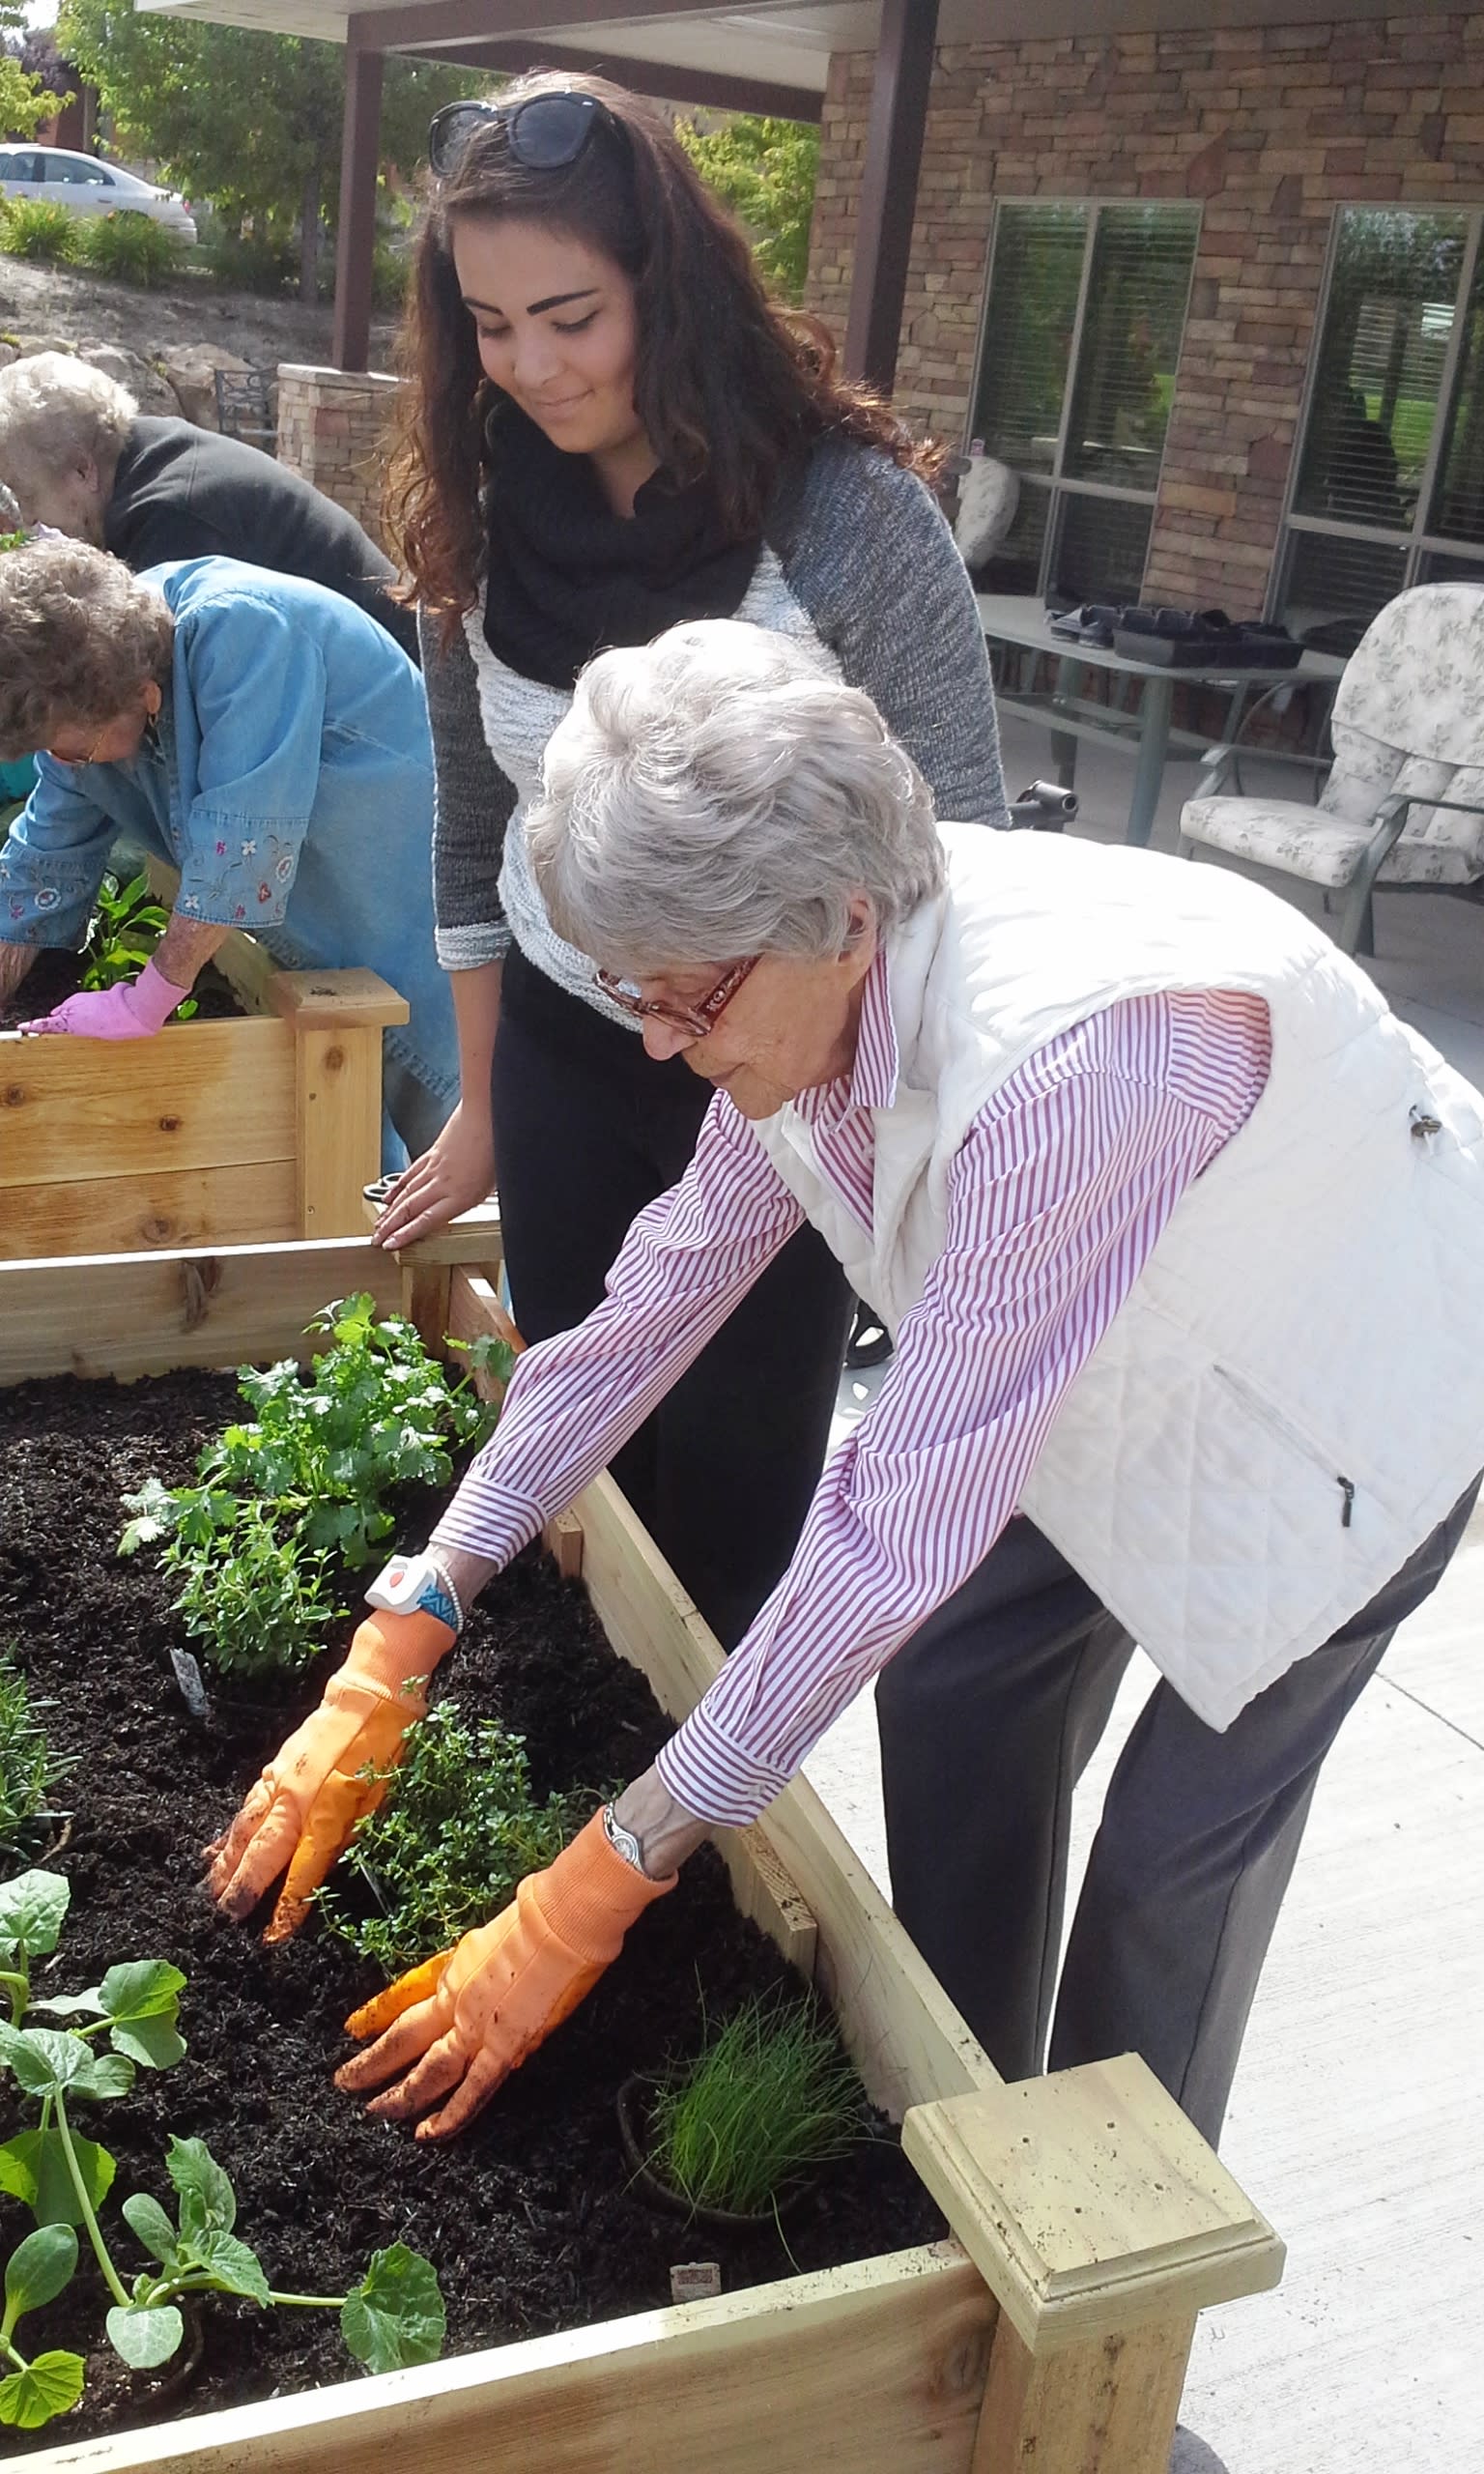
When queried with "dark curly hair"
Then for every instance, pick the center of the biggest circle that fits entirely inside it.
(727, 383)
(81, 636)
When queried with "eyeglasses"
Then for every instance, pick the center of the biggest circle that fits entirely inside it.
(697, 1020)
(546, 132)
(57, 757)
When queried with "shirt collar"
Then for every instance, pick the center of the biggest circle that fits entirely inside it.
(872, 1083)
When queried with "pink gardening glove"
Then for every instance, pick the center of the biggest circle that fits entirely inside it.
(133, 1009)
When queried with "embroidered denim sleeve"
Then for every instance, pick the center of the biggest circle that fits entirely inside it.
(249, 689)
(53, 859)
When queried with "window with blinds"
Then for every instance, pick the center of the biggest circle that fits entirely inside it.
(1388, 487)
(1084, 314)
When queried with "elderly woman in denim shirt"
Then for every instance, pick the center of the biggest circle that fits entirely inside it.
(262, 735)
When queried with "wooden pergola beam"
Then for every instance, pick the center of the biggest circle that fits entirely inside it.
(713, 89)
(356, 241)
(894, 154)
(424, 29)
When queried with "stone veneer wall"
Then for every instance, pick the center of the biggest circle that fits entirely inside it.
(333, 429)
(1271, 126)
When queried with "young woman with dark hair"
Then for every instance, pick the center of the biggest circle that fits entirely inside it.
(610, 428)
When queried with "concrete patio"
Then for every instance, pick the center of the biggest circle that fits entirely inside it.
(1357, 2122)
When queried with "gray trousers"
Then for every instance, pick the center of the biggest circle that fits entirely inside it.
(987, 1717)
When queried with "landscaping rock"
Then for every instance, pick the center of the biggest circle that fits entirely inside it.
(150, 388)
(191, 370)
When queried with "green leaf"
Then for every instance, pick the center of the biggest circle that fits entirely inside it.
(33, 2168)
(33, 1907)
(50, 2386)
(141, 1999)
(149, 2222)
(43, 2059)
(236, 2268)
(153, 2043)
(395, 2315)
(38, 2269)
(208, 2200)
(146, 2334)
(106, 2074)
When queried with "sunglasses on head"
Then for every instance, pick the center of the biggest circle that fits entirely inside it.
(546, 132)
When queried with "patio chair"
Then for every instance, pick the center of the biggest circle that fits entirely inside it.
(242, 408)
(1404, 801)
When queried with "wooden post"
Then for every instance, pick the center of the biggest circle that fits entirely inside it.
(1101, 2222)
(355, 246)
(888, 201)
(337, 1019)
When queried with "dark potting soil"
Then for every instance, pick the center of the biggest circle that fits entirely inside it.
(527, 2217)
(55, 975)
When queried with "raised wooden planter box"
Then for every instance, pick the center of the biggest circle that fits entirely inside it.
(1093, 2223)
(236, 1131)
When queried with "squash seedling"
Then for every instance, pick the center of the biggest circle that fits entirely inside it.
(394, 2316)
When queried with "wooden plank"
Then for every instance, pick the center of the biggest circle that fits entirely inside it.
(877, 2368)
(330, 1001)
(1089, 2202)
(1108, 2404)
(905, 2036)
(425, 1301)
(474, 1238)
(337, 1103)
(157, 1211)
(132, 1314)
(203, 1095)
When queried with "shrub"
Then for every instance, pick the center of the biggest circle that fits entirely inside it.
(129, 246)
(459, 1829)
(32, 228)
(29, 1768)
(249, 262)
(772, 2094)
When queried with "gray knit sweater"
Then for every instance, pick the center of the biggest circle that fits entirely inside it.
(860, 564)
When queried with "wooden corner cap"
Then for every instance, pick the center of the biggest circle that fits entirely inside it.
(1088, 2202)
(335, 1001)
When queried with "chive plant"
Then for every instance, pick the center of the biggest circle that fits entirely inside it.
(771, 2096)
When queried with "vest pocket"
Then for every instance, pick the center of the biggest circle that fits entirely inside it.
(1278, 1423)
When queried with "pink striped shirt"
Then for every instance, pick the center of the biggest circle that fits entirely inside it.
(1057, 1195)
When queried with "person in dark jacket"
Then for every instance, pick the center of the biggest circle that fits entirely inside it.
(79, 454)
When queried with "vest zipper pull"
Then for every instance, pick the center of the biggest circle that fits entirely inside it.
(1348, 1490)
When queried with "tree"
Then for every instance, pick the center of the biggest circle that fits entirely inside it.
(24, 102)
(765, 170)
(250, 120)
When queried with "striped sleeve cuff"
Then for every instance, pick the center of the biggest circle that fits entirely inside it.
(485, 941)
(485, 1519)
(714, 1778)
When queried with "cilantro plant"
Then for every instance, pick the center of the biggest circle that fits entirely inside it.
(458, 1829)
(123, 934)
(394, 2316)
(310, 1476)
(29, 1769)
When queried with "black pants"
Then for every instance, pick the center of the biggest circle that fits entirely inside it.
(588, 1131)
(989, 1717)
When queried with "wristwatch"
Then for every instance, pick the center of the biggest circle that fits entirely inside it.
(622, 1841)
(415, 1584)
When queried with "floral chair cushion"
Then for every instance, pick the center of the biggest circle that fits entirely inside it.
(1306, 842)
(1409, 716)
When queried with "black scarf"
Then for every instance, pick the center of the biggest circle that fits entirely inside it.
(567, 577)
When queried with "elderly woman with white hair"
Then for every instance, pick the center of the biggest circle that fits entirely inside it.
(1117, 1144)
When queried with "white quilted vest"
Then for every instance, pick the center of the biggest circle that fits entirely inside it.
(1293, 1394)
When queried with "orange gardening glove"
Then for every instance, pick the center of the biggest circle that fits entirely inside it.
(465, 2019)
(307, 1801)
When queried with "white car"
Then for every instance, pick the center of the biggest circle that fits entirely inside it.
(88, 186)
